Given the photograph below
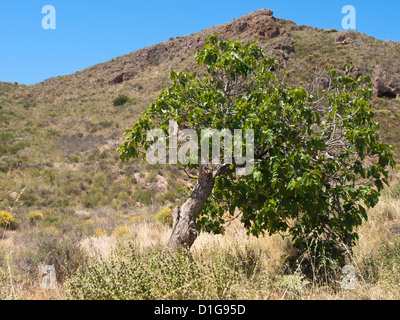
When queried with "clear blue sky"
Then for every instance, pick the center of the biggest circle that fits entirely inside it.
(89, 32)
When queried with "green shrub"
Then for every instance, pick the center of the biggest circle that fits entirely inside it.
(51, 219)
(293, 284)
(30, 197)
(120, 100)
(145, 196)
(132, 274)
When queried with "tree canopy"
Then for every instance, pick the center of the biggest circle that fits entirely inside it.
(318, 161)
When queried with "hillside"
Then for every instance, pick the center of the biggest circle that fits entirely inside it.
(63, 182)
(58, 137)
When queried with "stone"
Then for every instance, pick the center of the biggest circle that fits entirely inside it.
(258, 25)
(125, 76)
(285, 44)
(344, 38)
(383, 85)
(269, 12)
(13, 195)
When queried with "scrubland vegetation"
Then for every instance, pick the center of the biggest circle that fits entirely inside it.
(67, 200)
(108, 254)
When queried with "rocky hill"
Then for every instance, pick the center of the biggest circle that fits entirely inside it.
(58, 138)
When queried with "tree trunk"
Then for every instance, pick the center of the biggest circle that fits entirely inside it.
(184, 231)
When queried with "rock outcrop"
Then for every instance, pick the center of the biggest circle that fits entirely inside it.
(285, 44)
(344, 38)
(125, 76)
(385, 86)
(258, 25)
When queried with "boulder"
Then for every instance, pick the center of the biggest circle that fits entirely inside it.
(268, 12)
(258, 25)
(13, 195)
(344, 38)
(125, 76)
(285, 44)
(384, 86)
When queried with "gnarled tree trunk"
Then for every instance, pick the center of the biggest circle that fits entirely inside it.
(184, 231)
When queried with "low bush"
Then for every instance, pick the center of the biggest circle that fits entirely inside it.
(35, 216)
(121, 232)
(164, 217)
(99, 232)
(48, 246)
(153, 274)
(6, 219)
(120, 100)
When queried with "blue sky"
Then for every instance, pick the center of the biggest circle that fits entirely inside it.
(89, 32)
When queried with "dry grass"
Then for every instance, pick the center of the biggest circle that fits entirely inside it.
(268, 252)
(256, 265)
